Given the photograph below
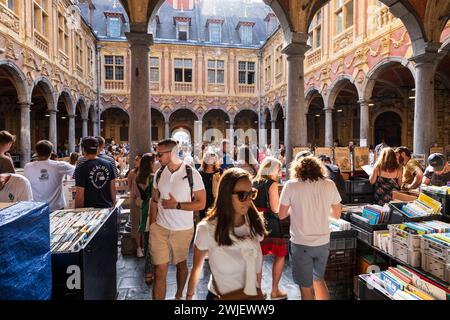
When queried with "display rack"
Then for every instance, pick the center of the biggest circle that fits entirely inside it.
(84, 254)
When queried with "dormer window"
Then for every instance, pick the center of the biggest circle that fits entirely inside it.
(215, 29)
(114, 22)
(246, 32)
(271, 22)
(182, 25)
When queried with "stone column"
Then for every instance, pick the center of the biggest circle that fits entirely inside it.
(296, 130)
(71, 133)
(25, 138)
(274, 135)
(166, 129)
(140, 114)
(53, 129)
(424, 123)
(199, 131)
(364, 121)
(262, 135)
(231, 134)
(328, 127)
(95, 128)
(85, 127)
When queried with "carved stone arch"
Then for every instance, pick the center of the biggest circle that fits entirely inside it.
(276, 109)
(66, 95)
(51, 94)
(335, 88)
(114, 106)
(380, 67)
(19, 79)
(215, 108)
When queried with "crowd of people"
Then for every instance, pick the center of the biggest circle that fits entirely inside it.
(228, 204)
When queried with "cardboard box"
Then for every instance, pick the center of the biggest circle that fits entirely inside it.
(406, 196)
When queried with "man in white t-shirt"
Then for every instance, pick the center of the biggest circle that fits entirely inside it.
(171, 216)
(46, 176)
(14, 187)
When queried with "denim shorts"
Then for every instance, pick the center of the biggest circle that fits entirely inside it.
(308, 263)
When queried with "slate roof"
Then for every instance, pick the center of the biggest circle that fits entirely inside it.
(231, 11)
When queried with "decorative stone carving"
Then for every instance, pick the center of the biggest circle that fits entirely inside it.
(10, 51)
(9, 19)
(343, 40)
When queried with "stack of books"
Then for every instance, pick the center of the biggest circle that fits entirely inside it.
(339, 225)
(444, 190)
(374, 214)
(441, 238)
(71, 229)
(422, 207)
(426, 227)
(401, 283)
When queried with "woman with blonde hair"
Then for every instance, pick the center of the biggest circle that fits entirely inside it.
(386, 176)
(310, 199)
(268, 202)
(230, 236)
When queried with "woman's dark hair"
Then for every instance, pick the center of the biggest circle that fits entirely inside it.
(223, 212)
(308, 168)
(74, 158)
(145, 168)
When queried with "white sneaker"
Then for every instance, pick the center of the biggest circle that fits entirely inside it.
(139, 253)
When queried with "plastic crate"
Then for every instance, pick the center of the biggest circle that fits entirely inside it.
(363, 235)
(402, 253)
(361, 186)
(442, 198)
(436, 250)
(412, 241)
(396, 208)
(339, 274)
(343, 244)
(341, 258)
(340, 290)
(361, 198)
(435, 267)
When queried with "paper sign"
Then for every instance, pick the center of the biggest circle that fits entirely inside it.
(362, 157)
(437, 150)
(342, 158)
(326, 151)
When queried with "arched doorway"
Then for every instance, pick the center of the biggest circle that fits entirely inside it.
(157, 125)
(183, 119)
(316, 121)
(183, 136)
(388, 126)
(246, 127)
(214, 125)
(62, 124)
(115, 123)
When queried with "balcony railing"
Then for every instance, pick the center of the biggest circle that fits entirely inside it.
(314, 56)
(246, 89)
(114, 85)
(40, 42)
(9, 18)
(154, 86)
(216, 88)
(183, 87)
(63, 59)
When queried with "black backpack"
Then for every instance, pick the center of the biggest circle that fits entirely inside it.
(188, 176)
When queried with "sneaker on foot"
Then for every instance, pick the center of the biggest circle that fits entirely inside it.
(139, 253)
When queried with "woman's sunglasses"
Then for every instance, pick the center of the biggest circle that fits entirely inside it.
(245, 195)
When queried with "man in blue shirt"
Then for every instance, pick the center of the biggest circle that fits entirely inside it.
(94, 179)
(226, 161)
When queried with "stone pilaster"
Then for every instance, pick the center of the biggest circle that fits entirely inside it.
(166, 129)
(71, 133)
(85, 127)
(53, 130)
(364, 124)
(25, 138)
(329, 127)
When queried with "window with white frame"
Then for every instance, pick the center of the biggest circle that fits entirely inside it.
(246, 34)
(154, 69)
(246, 72)
(182, 30)
(315, 31)
(215, 32)
(114, 27)
(183, 70)
(40, 16)
(63, 34)
(343, 15)
(216, 71)
(114, 68)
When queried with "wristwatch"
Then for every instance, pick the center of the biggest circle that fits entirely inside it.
(179, 205)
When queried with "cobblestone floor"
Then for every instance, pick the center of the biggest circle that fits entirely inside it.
(131, 285)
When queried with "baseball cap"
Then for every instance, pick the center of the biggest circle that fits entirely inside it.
(436, 162)
(89, 143)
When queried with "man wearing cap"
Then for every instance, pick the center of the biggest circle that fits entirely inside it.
(438, 171)
(94, 179)
(412, 170)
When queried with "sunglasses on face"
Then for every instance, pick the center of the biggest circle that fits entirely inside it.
(245, 195)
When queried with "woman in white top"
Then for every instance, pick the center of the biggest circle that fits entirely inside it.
(310, 199)
(230, 236)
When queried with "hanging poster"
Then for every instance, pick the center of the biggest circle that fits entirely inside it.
(326, 151)
(437, 150)
(342, 158)
(362, 157)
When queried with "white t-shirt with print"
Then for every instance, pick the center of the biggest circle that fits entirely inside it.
(310, 204)
(227, 262)
(18, 188)
(46, 181)
(178, 185)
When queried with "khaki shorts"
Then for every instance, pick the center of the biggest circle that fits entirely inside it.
(166, 244)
